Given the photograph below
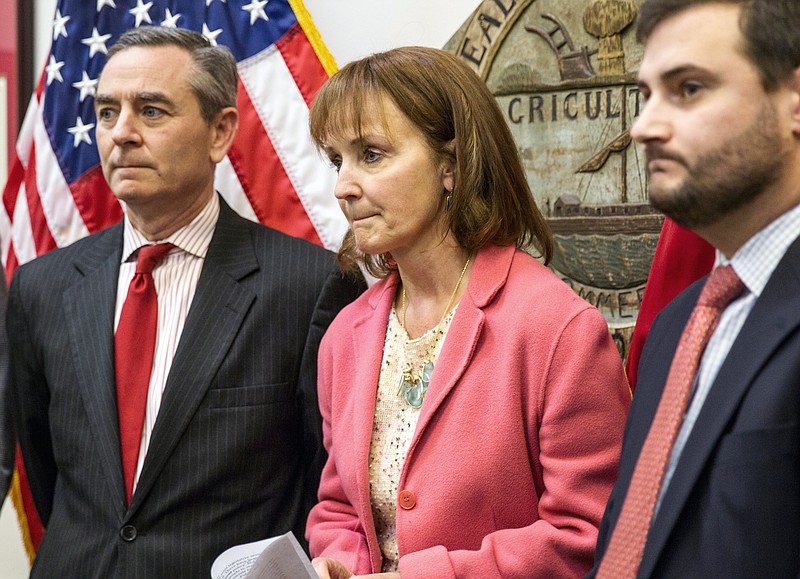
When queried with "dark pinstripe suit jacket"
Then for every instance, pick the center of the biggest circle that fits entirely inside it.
(236, 450)
(7, 438)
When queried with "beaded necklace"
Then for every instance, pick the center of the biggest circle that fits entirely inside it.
(414, 384)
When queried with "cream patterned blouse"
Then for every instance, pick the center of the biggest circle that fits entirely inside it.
(394, 424)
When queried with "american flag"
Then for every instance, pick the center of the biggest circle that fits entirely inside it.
(56, 193)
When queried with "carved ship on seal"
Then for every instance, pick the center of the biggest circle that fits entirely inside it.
(571, 217)
(604, 246)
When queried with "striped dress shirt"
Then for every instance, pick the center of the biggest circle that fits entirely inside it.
(175, 279)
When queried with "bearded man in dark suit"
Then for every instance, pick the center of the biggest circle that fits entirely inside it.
(709, 479)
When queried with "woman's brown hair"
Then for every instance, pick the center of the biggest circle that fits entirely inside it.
(491, 201)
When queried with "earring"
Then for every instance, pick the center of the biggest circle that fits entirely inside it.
(447, 201)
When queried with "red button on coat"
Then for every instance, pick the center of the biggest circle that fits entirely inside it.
(406, 500)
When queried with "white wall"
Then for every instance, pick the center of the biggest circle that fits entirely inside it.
(351, 29)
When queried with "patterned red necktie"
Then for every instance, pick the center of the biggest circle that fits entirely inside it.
(630, 534)
(134, 344)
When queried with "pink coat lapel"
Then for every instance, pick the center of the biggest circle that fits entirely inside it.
(369, 336)
(489, 274)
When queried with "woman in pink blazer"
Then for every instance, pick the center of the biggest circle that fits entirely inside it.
(472, 404)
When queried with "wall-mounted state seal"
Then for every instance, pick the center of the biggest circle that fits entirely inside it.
(564, 73)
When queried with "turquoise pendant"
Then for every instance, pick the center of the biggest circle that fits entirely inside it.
(413, 388)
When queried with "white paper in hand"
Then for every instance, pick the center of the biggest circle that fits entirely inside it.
(279, 557)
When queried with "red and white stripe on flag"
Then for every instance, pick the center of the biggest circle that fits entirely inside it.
(56, 194)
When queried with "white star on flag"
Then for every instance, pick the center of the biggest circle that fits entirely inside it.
(96, 42)
(256, 10)
(170, 21)
(80, 132)
(53, 70)
(60, 25)
(211, 34)
(86, 85)
(142, 12)
(208, 2)
(101, 3)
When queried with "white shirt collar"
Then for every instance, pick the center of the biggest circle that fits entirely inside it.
(193, 238)
(755, 261)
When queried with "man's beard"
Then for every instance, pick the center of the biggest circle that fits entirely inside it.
(724, 180)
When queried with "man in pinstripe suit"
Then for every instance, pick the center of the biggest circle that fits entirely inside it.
(230, 449)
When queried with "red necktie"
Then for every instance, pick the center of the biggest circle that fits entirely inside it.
(134, 344)
(630, 534)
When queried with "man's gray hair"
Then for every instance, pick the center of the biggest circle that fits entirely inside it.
(214, 79)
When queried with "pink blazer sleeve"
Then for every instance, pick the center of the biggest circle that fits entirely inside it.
(582, 407)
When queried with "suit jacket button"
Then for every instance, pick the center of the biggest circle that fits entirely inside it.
(128, 533)
(406, 500)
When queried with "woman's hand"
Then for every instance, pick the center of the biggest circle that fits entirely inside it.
(328, 568)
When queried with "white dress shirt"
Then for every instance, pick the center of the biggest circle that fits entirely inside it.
(175, 279)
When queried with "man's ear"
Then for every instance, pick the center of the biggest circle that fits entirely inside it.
(223, 130)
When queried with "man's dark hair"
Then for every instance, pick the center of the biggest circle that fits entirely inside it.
(771, 31)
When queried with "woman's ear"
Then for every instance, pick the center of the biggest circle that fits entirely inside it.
(449, 167)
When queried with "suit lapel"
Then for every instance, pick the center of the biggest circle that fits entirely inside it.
(774, 316)
(217, 312)
(89, 312)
